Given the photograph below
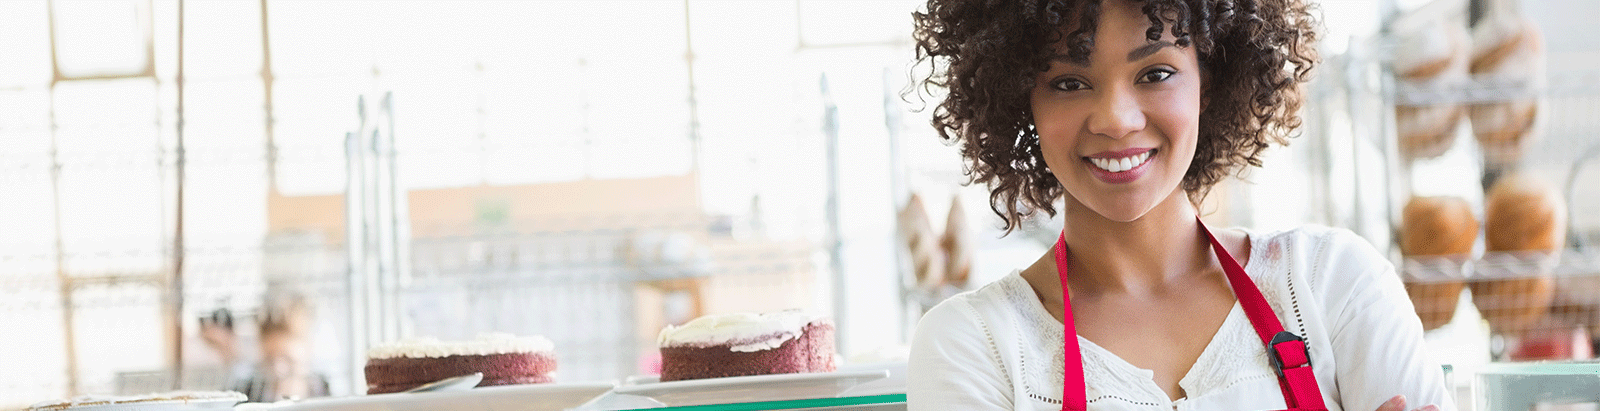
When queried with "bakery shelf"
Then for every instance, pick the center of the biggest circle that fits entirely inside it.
(1492, 89)
(1572, 262)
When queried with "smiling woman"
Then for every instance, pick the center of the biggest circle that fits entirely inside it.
(1126, 113)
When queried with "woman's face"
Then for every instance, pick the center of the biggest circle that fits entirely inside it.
(1120, 132)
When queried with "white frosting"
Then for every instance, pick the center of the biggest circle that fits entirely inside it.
(746, 332)
(485, 344)
(96, 401)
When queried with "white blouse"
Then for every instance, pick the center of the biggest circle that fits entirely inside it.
(996, 348)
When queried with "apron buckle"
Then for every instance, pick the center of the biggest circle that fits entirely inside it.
(1276, 356)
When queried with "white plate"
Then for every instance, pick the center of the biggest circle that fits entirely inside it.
(524, 397)
(166, 405)
(732, 390)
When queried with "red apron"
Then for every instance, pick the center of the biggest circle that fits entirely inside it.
(1287, 351)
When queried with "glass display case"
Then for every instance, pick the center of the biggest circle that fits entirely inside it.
(1538, 386)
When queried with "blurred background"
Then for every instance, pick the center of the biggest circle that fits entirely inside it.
(182, 178)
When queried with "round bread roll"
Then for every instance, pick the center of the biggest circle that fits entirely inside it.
(1436, 236)
(1510, 53)
(1434, 53)
(927, 259)
(1524, 224)
(957, 246)
(1524, 213)
(1437, 226)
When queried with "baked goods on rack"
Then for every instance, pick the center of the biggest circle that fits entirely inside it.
(1524, 232)
(957, 245)
(916, 232)
(742, 344)
(504, 359)
(1508, 53)
(1433, 53)
(1436, 236)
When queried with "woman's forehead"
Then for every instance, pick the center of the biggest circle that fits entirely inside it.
(1119, 25)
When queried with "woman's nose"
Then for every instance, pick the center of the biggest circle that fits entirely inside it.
(1117, 114)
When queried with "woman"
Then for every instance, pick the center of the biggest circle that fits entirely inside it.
(1128, 112)
(285, 369)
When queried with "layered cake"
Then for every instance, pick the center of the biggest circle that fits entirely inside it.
(503, 359)
(733, 345)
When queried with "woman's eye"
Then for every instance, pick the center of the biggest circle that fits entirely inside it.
(1070, 84)
(1155, 76)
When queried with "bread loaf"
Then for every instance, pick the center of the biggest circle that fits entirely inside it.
(1510, 54)
(957, 245)
(922, 244)
(1436, 236)
(1524, 225)
(1434, 53)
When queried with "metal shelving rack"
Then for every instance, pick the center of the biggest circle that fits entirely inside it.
(1568, 153)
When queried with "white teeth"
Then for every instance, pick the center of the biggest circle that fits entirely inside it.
(1118, 165)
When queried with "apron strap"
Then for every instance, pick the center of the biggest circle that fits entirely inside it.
(1290, 356)
(1074, 392)
(1288, 353)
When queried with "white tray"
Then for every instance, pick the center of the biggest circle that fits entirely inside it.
(525, 397)
(776, 387)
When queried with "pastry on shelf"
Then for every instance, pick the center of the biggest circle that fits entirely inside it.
(1436, 237)
(957, 246)
(1508, 55)
(1433, 53)
(1524, 232)
(922, 244)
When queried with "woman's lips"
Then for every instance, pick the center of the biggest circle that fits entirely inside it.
(1120, 167)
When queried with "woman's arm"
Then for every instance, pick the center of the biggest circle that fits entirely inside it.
(954, 364)
(1377, 338)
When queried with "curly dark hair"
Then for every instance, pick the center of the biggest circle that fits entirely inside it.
(986, 54)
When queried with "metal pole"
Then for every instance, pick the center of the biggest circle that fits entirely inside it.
(694, 102)
(834, 239)
(175, 308)
(354, 245)
(64, 280)
(400, 218)
(898, 192)
(266, 85)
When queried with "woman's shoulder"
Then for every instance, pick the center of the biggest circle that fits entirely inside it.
(1326, 257)
(1316, 244)
(1002, 296)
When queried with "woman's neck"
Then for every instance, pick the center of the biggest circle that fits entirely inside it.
(1140, 257)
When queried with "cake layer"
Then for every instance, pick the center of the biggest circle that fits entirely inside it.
(485, 344)
(402, 373)
(393, 388)
(742, 331)
(812, 351)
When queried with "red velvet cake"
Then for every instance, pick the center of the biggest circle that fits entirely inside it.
(502, 358)
(736, 345)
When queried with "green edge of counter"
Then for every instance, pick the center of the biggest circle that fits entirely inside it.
(792, 404)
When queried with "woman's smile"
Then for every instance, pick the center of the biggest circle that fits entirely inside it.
(1120, 167)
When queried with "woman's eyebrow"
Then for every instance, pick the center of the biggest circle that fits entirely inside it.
(1147, 50)
(1080, 61)
(1135, 55)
